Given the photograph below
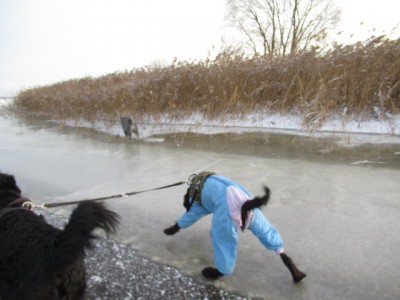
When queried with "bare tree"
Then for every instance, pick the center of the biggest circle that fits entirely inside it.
(281, 27)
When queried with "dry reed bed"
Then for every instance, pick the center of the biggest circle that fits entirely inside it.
(347, 81)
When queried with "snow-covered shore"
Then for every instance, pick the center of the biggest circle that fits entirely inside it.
(346, 133)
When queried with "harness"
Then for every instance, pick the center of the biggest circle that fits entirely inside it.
(18, 204)
(196, 183)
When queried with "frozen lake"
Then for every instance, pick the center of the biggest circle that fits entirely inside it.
(337, 209)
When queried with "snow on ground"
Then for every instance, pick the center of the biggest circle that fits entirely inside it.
(350, 132)
(347, 133)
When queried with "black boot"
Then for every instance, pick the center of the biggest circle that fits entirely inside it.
(172, 230)
(296, 273)
(211, 273)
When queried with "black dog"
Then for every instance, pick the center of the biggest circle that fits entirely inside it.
(39, 261)
(128, 127)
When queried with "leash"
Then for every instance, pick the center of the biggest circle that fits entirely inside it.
(51, 205)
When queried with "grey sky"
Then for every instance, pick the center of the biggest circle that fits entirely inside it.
(45, 41)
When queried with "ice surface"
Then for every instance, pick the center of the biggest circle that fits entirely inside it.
(336, 208)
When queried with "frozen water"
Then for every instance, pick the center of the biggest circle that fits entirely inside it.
(339, 218)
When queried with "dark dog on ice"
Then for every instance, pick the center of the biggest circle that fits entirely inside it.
(39, 261)
(128, 127)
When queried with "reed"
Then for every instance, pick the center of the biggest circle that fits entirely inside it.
(356, 81)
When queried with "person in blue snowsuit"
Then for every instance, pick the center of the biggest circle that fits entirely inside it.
(233, 208)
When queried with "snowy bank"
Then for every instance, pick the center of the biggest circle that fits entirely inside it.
(347, 133)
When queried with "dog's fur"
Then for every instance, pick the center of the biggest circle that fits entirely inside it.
(128, 126)
(39, 261)
(257, 202)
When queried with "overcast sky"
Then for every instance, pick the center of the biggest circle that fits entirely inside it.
(46, 41)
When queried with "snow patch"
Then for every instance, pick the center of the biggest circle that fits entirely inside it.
(347, 133)
(96, 279)
(367, 162)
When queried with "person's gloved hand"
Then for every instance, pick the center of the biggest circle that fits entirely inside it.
(172, 230)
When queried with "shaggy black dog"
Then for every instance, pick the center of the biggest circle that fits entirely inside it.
(38, 261)
(128, 127)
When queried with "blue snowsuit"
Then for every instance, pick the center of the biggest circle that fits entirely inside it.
(215, 199)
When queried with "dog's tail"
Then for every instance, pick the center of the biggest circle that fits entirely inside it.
(257, 202)
(78, 233)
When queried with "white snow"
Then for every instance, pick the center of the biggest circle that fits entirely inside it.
(360, 162)
(346, 133)
(96, 279)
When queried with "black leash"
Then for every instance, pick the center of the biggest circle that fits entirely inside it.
(50, 205)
